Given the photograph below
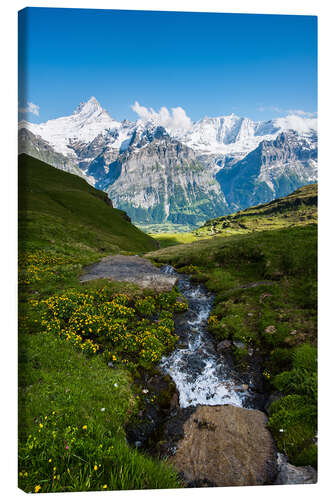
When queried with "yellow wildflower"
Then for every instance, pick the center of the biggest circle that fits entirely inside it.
(37, 488)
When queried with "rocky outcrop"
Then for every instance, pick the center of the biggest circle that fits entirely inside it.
(159, 180)
(274, 169)
(37, 147)
(290, 474)
(132, 269)
(226, 446)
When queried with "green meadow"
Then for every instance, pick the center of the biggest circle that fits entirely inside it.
(74, 408)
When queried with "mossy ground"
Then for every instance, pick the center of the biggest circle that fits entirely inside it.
(73, 407)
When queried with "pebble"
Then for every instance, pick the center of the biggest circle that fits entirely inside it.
(270, 329)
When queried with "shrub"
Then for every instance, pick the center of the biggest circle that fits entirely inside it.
(280, 359)
(146, 307)
(293, 425)
(305, 358)
(96, 320)
(293, 419)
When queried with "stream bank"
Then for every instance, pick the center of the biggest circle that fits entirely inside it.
(197, 403)
(208, 420)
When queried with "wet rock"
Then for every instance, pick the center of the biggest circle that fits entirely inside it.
(164, 388)
(174, 402)
(272, 397)
(132, 269)
(224, 345)
(226, 446)
(290, 474)
(238, 344)
(142, 430)
(194, 364)
(201, 483)
(174, 431)
(161, 397)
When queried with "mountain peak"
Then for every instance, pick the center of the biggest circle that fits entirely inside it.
(88, 108)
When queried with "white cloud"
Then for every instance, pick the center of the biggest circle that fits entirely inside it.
(31, 108)
(177, 119)
(295, 122)
(300, 112)
(270, 108)
(291, 112)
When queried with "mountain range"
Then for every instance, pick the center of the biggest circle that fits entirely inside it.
(162, 175)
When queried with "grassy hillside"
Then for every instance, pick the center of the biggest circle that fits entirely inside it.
(48, 197)
(298, 208)
(266, 303)
(65, 223)
(81, 345)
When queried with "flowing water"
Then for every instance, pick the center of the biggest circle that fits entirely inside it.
(202, 376)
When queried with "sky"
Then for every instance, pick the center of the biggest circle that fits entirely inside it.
(137, 62)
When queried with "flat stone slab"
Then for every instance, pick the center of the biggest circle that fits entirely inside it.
(130, 268)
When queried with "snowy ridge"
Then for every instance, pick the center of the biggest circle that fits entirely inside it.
(233, 134)
(88, 120)
(162, 168)
(219, 135)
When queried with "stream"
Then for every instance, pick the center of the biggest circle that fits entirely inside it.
(202, 376)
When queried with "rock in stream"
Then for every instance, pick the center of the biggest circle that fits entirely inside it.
(226, 446)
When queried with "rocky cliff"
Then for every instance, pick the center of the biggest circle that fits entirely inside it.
(159, 179)
(274, 169)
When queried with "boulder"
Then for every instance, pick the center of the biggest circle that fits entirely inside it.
(270, 329)
(226, 446)
(130, 268)
(239, 344)
(290, 474)
(224, 345)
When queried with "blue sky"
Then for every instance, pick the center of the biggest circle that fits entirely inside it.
(260, 66)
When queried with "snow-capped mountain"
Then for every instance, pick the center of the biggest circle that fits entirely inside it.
(274, 168)
(35, 146)
(88, 120)
(215, 166)
(232, 135)
(220, 135)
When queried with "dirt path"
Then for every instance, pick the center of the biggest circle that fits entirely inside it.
(130, 268)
